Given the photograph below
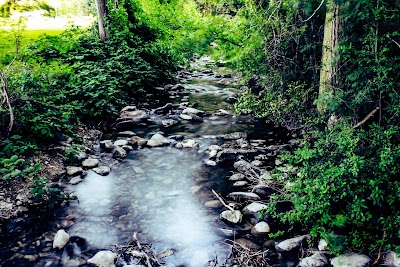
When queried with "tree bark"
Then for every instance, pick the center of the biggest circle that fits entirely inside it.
(330, 53)
(101, 6)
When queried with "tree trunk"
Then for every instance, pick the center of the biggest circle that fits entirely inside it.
(101, 6)
(330, 54)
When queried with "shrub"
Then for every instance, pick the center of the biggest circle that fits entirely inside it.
(347, 184)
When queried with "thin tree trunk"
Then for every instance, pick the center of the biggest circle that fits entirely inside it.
(101, 6)
(330, 54)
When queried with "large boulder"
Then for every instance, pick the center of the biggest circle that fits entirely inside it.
(103, 259)
(158, 140)
(316, 260)
(351, 260)
(60, 239)
(292, 244)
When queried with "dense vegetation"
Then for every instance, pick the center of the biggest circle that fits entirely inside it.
(343, 181)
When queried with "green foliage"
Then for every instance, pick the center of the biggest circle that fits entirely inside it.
(347, 184)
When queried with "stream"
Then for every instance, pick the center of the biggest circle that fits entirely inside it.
(162, 193)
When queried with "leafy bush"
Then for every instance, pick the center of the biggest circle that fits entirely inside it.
(346, 183)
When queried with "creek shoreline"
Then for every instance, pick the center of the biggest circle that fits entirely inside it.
(251, 161)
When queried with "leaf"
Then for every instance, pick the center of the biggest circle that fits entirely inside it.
(7, 176)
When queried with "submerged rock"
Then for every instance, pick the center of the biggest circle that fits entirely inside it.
(75, 180)
(351, 260)
(60, 239)
(103, 259)
(158, 140)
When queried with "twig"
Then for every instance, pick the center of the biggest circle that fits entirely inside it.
(395, 43)
(7, 100)
(366, 118)
(377, 257)
(222, 201)
(315, 11)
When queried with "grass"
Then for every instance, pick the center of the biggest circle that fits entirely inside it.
(7, 43)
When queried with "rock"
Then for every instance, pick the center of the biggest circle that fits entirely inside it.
(261, 228)
(262, 189)
(244, 195)
(253, 208)
(193, 111)
(213, 204)
(351, 260)
(240, 183)
(177, 87)
(121, 143)
(391, 260)
(228, 232)
(212, 154)
(234, 216)
(322, 245)
(75, 180)
(242, 166)
(165, 253)
(119, 153)
(292, 244)
(129, 108)
(103, 259)
(237, 177)
(214, 147)
(90, 163)
(138, 141)
(107, 145)
(102, 170)
(73, 171)
(126, 134)
(187, 144)
(316, 260)
(80, 156)
(168, 123)
(164, 109)
(157, 140)
(185, 117)
(231, 100)
(60, 239)
(129, 119)
(224, 81)
(210, 163)
(234, 136)
(231, 154)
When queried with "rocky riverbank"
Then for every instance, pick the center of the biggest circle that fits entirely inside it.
(244, 150)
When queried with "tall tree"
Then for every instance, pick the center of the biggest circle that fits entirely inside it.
(330, 53)
(102, 11)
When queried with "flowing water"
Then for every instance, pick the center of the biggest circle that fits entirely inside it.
(159, 192)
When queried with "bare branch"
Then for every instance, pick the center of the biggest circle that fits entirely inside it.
(315, 11)
(366, 118)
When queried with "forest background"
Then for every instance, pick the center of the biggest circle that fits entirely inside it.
(328, 70)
